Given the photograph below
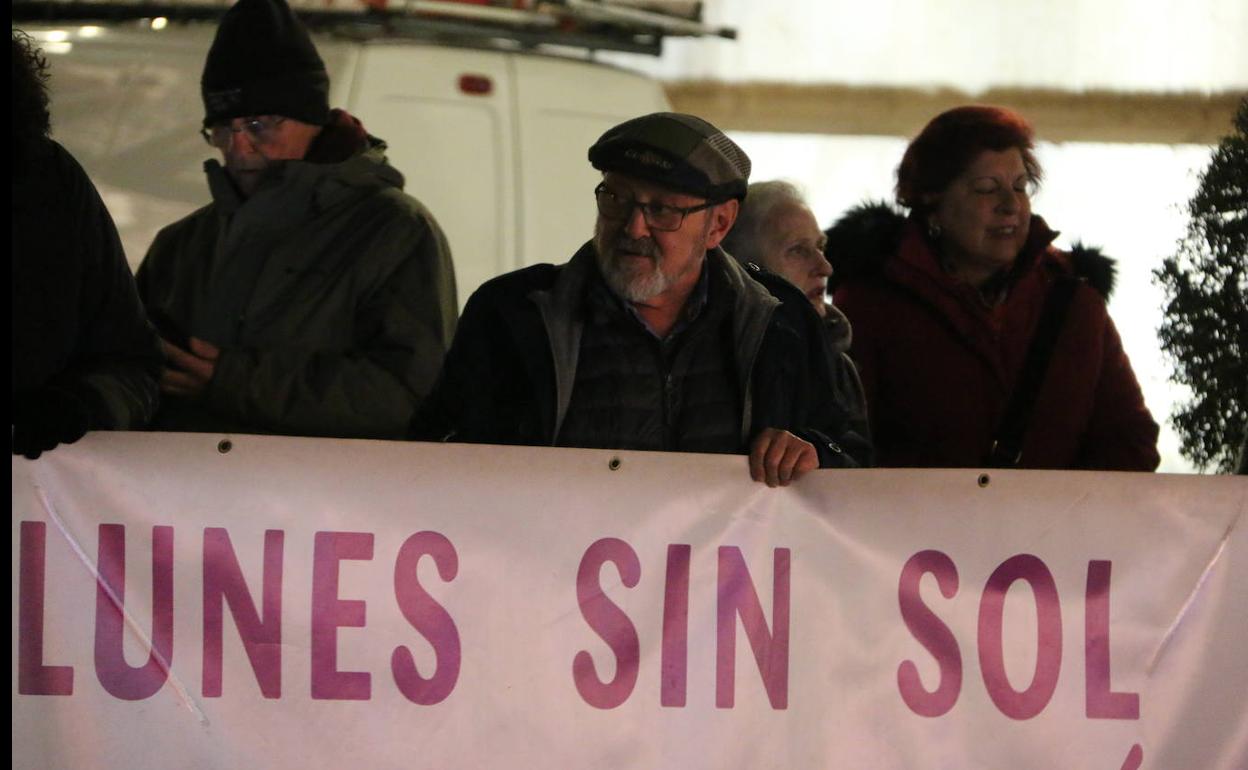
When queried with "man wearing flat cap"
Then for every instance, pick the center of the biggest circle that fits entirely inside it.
(312, 296)
(650, 337)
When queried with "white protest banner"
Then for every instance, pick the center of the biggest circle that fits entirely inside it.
(295, 603)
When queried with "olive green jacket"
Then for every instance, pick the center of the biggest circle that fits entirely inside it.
(329, 290)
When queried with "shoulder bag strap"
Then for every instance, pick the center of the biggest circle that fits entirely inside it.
(1007, 447)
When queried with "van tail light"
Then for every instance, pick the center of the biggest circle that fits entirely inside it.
(478, 85)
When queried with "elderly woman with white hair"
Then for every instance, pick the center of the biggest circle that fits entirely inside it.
(776, 230)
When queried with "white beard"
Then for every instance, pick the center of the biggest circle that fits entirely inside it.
(632, 284)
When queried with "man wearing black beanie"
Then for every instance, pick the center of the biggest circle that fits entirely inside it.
(312, 296)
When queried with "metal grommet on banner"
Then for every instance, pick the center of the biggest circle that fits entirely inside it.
(224, 445)
(614, 464)
(984, 480)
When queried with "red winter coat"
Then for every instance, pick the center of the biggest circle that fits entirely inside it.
(938, 364)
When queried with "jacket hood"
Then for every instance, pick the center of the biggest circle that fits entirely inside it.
(1089, 263)
(342, 138)
(868, 234)
(300, 183)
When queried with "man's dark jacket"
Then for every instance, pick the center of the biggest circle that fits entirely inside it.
(510, 371)
(330, 291)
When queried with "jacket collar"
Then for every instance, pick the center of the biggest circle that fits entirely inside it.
(753, 307)
(917, 253)
(560, 308)
(304, 188)
(342, 138)
(837, 329)
(916, 268)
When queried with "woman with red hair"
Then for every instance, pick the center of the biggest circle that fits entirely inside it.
(979, 343)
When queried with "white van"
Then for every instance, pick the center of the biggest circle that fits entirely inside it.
(491, 135)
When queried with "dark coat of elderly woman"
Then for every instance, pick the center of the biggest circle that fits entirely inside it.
(945, 303)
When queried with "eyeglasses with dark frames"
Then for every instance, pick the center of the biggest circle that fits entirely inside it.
(658, 216)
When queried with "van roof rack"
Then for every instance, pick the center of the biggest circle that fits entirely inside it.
(634, 26)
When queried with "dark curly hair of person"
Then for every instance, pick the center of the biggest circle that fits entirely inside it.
(31, 120)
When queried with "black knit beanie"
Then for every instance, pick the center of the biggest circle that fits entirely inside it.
(262, 62)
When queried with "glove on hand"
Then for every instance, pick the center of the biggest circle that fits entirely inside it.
(45, 417)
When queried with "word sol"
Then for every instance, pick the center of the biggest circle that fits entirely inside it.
(932, 632)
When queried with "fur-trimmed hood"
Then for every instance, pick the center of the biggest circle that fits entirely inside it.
(869, 233)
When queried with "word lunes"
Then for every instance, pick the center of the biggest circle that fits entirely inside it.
(259, 628)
